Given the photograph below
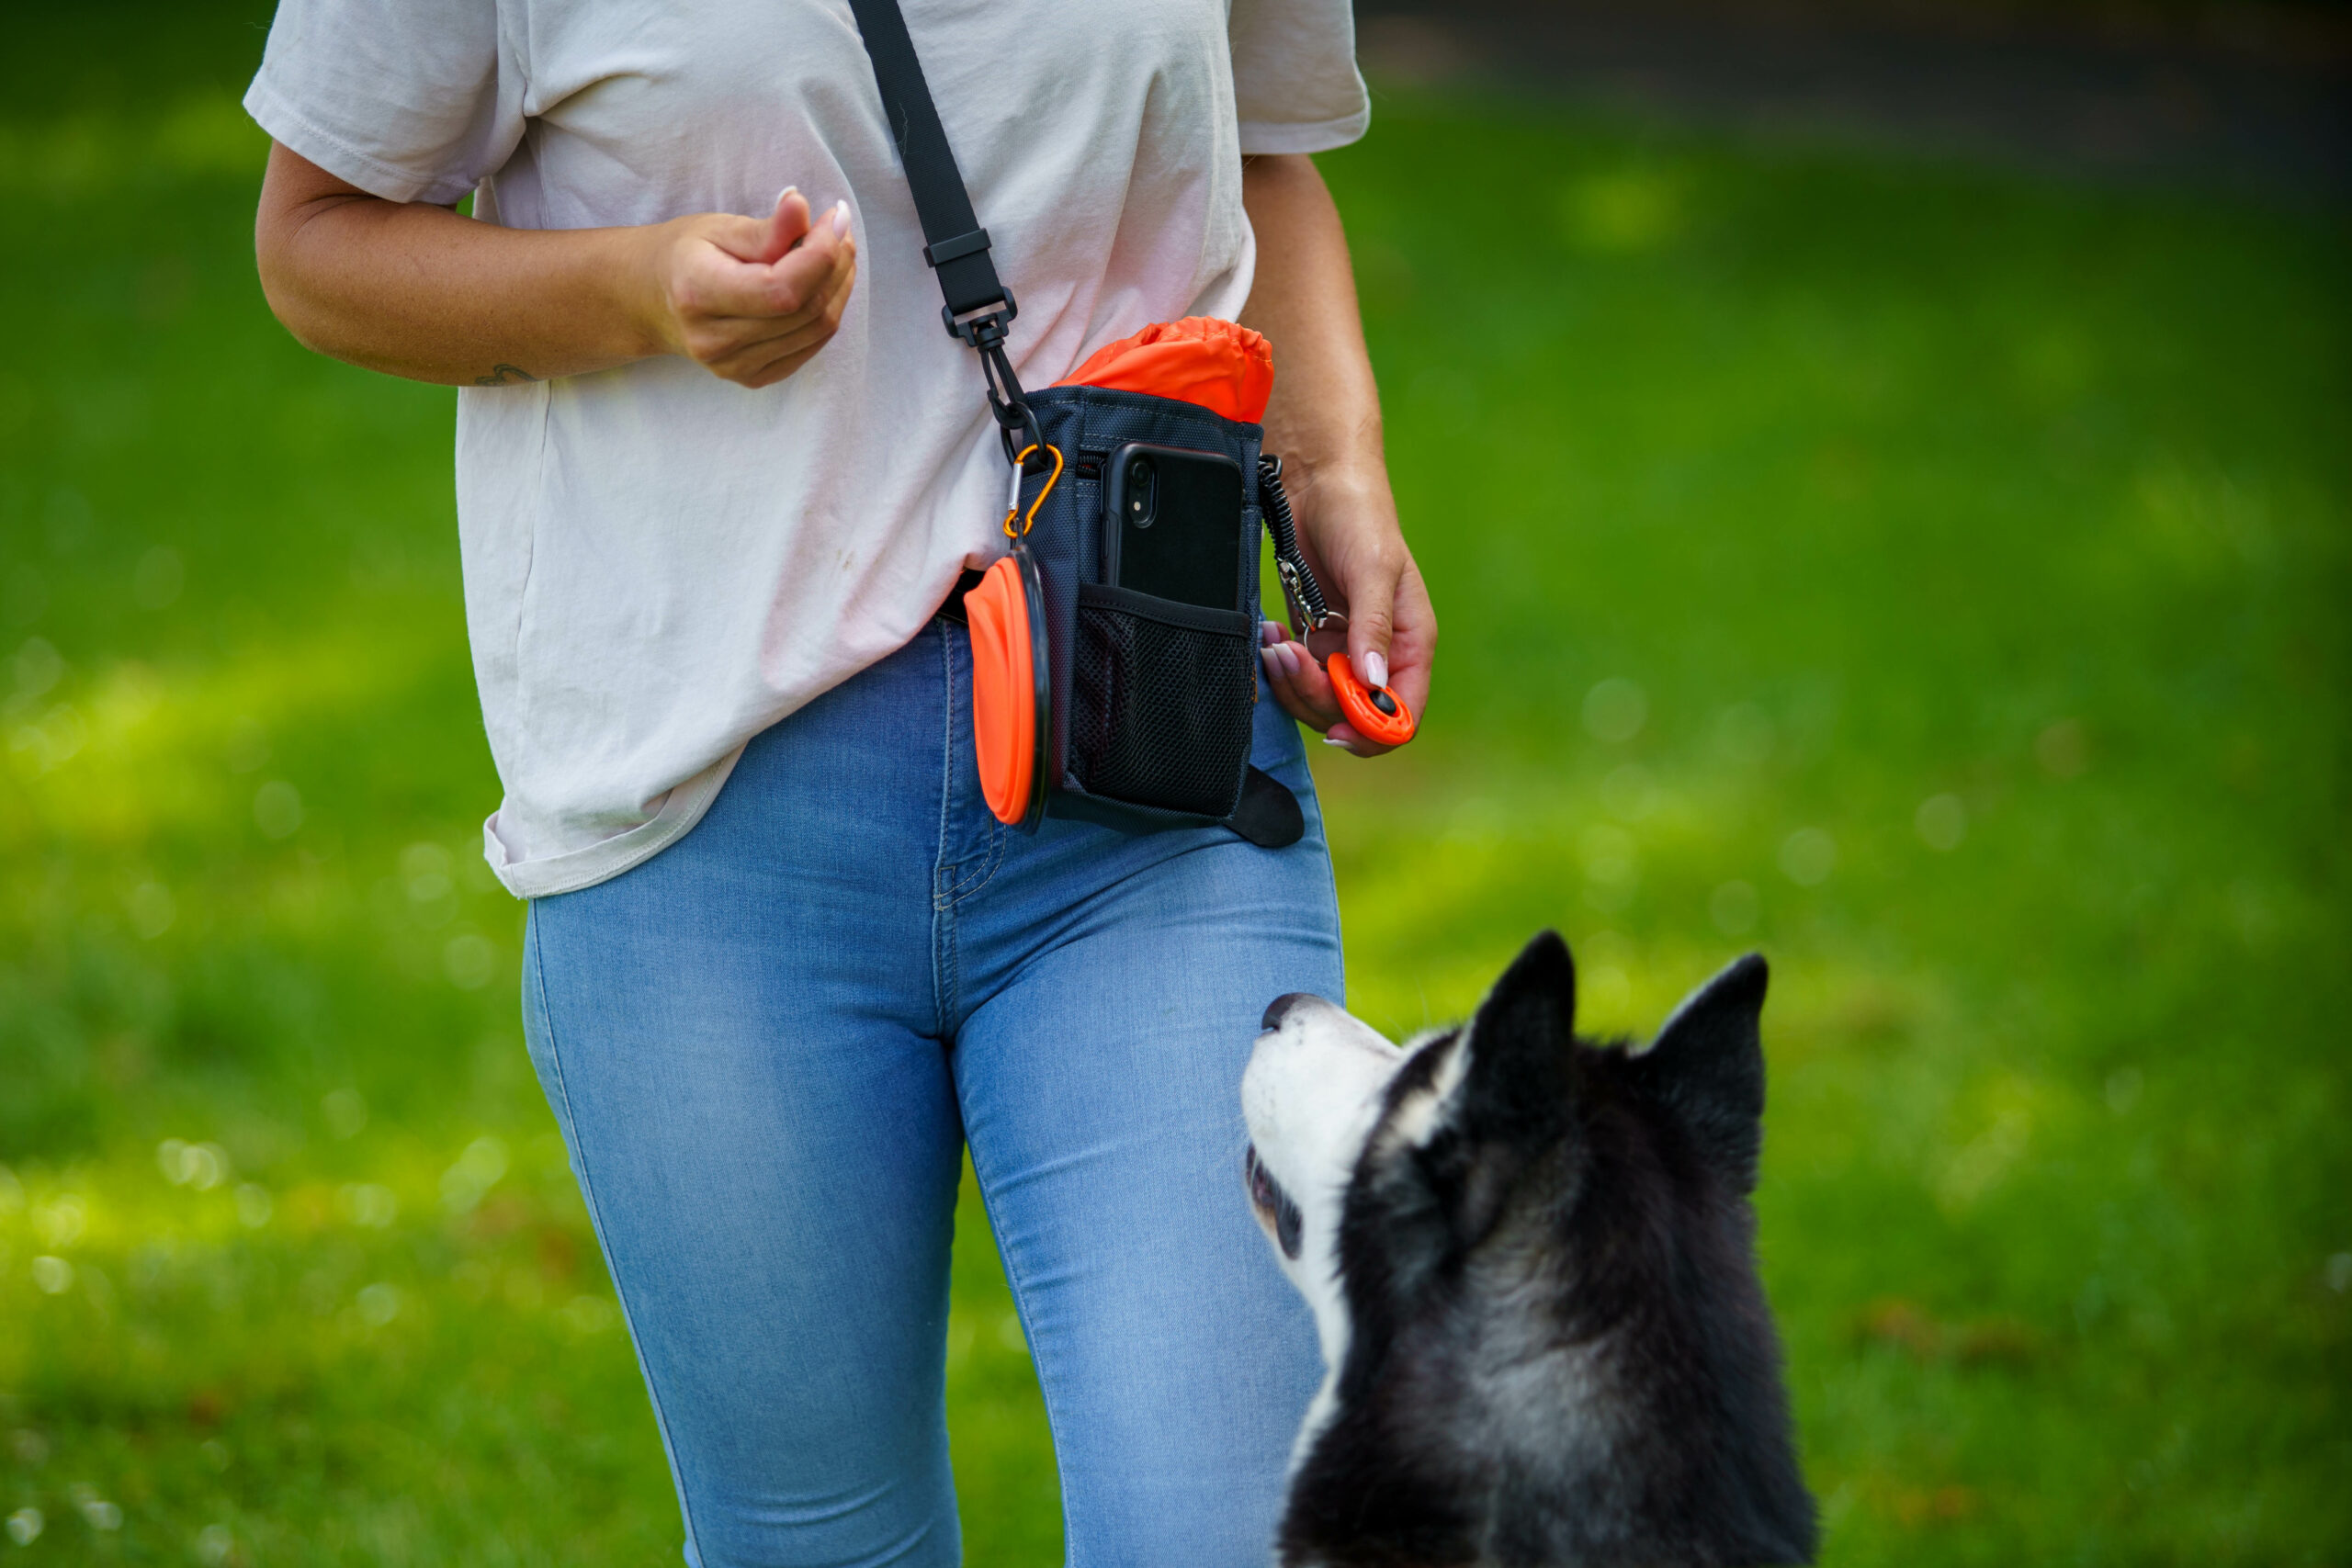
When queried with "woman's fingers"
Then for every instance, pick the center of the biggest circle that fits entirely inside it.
(784, 227)
(718, 285)
(1306, 694)
(744, 320)
(779, 370)
(722, 337)
(1368, 584)
(770, 362)
(747, 351)
(1391, 629)
(1298, 682)
(1412, 641)
(761, 241)
(748, 298)
(1302, 687)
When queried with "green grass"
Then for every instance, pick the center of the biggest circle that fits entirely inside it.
(1934, 579)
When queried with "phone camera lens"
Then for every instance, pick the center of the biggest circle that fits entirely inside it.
(1140, 474)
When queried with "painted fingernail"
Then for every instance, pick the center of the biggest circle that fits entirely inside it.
(841, 216)
(1375, 668)
(1269, 634)
(1340, 744)
(783, 195)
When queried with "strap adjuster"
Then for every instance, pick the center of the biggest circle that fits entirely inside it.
(956, 247)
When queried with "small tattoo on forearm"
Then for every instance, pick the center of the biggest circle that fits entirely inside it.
(504, 375)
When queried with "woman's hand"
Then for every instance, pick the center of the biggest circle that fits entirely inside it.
(748, 299)
(1347, 527)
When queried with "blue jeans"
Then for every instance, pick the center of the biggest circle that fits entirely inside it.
(768, 1047)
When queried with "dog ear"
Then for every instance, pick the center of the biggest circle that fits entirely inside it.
(1521, 1056)
(1707, 1067)
(1514, 1086)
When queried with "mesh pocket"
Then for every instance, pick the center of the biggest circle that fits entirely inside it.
(1160, 698)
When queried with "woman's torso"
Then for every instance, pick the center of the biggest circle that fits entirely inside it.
(660, 564)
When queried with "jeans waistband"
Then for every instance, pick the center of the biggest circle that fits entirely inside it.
(951, 609)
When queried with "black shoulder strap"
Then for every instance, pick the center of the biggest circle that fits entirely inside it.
(978, 306)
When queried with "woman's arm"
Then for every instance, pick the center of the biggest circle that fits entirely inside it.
(419, 291)
(1325, 421)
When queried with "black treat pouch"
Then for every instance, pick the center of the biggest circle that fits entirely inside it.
(1153, 700)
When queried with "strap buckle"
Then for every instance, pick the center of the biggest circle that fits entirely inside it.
(984, 330)
(984, 327)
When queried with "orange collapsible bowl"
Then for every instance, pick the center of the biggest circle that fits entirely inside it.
(1361, 703)
(1010, 717)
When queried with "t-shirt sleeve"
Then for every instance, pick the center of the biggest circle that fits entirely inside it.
(412, 100)
(1294, 79)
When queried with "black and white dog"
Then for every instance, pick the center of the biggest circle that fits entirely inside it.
(1531, 1266)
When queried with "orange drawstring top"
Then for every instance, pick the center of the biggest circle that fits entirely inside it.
(1222, 365)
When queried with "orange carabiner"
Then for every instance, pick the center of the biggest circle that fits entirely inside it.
(1051, 479)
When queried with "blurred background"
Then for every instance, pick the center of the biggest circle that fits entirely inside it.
(1885, 472)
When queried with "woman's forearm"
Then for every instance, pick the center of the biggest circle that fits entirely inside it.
(1325, 415)
(419, 291)
(1325, 421)
(422, 292)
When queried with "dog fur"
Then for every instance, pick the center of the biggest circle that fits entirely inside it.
(1531, 1263)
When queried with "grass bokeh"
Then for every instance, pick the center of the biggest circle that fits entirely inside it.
(1932, 577)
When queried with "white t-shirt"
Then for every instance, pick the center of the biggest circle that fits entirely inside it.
(660, 564)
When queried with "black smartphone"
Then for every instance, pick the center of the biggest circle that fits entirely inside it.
(1173, 529)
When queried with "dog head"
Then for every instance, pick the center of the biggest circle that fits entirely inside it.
(1530, 1265)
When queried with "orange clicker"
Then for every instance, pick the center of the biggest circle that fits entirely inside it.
(1012, 698)
(1378, 714)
